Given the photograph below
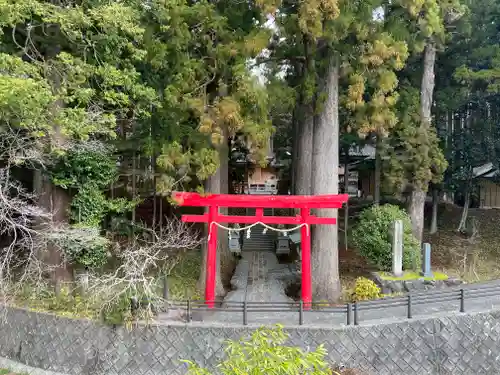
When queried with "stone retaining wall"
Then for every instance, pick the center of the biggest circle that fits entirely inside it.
(461, 344)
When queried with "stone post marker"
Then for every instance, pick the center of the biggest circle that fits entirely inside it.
(426, 264)
(397, 248)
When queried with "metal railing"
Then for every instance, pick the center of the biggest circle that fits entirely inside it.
(350, 311)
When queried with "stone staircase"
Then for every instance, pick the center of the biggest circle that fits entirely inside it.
(259, 241)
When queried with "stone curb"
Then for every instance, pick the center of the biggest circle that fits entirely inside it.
(18, 367)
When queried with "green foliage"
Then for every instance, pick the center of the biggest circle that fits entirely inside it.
(83, 246)
(365, 289)
(469, 71)
(265, 352)
(90, 163)
(90, 205)
(208, 91)
(89, 168)
(74, 305)
(69, 86)
(182, 286)
(9, 372)
(66, 304)
(372, 237)
(412, 154)
(183, 279)
(120, 312)
(75, 81)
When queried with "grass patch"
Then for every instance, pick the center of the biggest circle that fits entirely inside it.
(407, 276)
(182, 286)
(8, 372)
(43, 299)
(184, 277)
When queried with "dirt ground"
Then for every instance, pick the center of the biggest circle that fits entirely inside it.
(473, 260)
(351, 267)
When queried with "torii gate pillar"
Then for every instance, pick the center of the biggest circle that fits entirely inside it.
(259, 202)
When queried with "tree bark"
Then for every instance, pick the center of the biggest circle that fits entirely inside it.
(305, 151)
(419, 194)
(435, 202)
(305, 128)
(462, 226)
(378, 171)
(219, 184)
(346, 208)
(295, 142)
(53, 199)
(56, 201)
(226, 258)
(325, 262)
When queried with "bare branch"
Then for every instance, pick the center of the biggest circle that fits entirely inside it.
(22, 247)
(17, 147)
(150, 253)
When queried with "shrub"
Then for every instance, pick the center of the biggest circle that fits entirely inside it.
(265, 352)
(83, 246)
(365, 289)
(372, 237)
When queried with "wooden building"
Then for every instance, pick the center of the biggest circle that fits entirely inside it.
(488, 185)
(250, 177)
(361, 172)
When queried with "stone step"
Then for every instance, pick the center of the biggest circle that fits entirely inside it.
(259, 278)
(250, 249)
(259, 241)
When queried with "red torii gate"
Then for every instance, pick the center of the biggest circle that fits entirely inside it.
(259, 202)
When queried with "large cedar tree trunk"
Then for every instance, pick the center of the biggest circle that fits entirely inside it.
(304, 155)
(295, 141)
(435, 203)
(378, 171)
(304, 151)
(56, 201)
(219, 184)
(226, 258)
(418, 194)
(462, 226)
(53, 199)
(346, 191)
(325, 262)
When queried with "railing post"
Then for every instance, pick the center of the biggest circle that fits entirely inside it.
(301, 312)
(409, 307)
(349, 312)
(165, 286)
(189, 314)
(462, 300)
(245, 317)
(356, 318)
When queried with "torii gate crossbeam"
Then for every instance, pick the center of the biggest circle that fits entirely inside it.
(259, 202)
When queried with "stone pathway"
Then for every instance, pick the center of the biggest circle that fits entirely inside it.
(259, 278)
